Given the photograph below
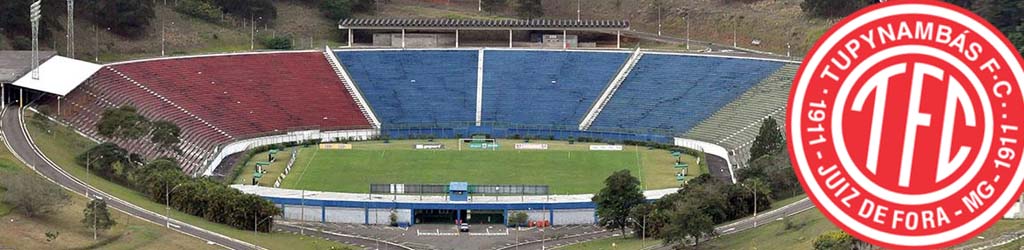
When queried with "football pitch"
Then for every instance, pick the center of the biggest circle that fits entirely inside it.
(566, 168)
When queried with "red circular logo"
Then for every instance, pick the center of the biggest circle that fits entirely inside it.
(905, 124)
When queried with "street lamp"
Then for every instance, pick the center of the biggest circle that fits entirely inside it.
(252, 31)
(167, 203)
(659, 20)
(755, 200)
(687, 33)
(256, 226)
(163, 39)
(643, 231)
(97, 29)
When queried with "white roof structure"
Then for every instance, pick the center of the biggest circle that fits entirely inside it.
(59, 75)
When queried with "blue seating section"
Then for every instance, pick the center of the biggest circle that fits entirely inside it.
(545, 87)
(408, 87)
(675, 92)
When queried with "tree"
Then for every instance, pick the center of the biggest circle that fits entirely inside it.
(249, 8)
(833, 240)
(776, 170)
(103, 159)
(833, 8)
(123, 122)
(32, 195)
(687, 221)
(769, 139)
(518, 219)
(131, 19)
(620, 194)
(96, 215)
(336, 9)
(646, 220)
(493, 6)
(166, 135)
(529, 9)
(364, 6)
(764, 194)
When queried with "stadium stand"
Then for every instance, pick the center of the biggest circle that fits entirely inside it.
(220, 98)
(675, 92)
(549, 87)
(408, 87)
(735, 125)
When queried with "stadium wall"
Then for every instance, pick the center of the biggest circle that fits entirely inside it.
(376, 209)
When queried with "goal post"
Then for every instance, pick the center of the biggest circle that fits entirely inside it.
(479, 142)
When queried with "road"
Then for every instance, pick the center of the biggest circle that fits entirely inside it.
(351, 240)
(765, 217)
(13, 131)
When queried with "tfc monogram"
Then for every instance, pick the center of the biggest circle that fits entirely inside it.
(905, 124)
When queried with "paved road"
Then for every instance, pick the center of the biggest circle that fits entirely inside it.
(765, 217)
(13, 131)
(562, 241)
(366, 243)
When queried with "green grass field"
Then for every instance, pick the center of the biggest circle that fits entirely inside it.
(566, 168)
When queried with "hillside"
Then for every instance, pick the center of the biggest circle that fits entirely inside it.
(774, 22)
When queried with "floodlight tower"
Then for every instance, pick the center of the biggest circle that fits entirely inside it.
(36, 14)
(71, 28)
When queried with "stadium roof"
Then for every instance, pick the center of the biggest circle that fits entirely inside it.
(15, 63)
(59, 75)
(452, 24)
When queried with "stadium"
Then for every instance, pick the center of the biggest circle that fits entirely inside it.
(404, 132)
(512, 112)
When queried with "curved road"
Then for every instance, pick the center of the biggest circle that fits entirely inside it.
(16, 138)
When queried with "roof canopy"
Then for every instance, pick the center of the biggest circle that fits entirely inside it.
(452, 24)
(59, 75)
(15, 63)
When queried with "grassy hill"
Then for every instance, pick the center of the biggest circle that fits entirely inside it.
(20, 232)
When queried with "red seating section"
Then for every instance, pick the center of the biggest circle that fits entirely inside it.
(218, 99)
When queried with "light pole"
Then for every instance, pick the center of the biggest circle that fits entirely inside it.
(659, 20)
(167, 203)
(687, 21)
(252, 31)
(71, 28)
(256, 225)
(94, 220)
(735, 23)
(643, 231)
(88, 161)
(578, 10)
(755, 200)
(163, 35)
(97, 28)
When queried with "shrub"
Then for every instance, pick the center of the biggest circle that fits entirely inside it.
(281, 42)
(21, 43)
(202, 9)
